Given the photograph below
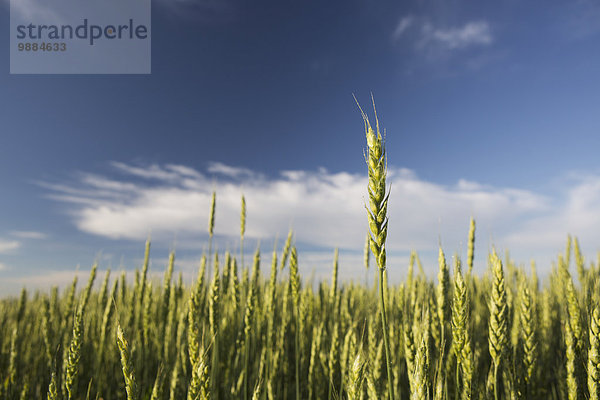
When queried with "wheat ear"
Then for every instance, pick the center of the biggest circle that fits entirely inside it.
(127, 364)
(497, 339)
(378, 223)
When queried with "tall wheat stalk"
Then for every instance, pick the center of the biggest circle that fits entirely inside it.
(378, 223)
(74, 354)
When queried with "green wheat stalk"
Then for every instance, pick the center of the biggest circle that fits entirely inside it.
(497, 331)
(74, 354)
(593, 380)
(378, 222)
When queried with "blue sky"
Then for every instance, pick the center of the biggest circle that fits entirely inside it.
(490, 110)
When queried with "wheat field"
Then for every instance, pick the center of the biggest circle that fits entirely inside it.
(254, 329)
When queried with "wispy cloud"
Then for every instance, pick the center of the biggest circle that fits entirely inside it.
(8, 245)
(29, 235)
(426, 34)
(168, 173)
(229, 171)
(403, 25)
(3, 267)
(476, 33)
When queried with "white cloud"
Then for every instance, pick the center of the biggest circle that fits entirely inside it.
(8, 245)
(579, 214)
(29, 235)
(472, 33)
(3, 267)
(325, 209)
